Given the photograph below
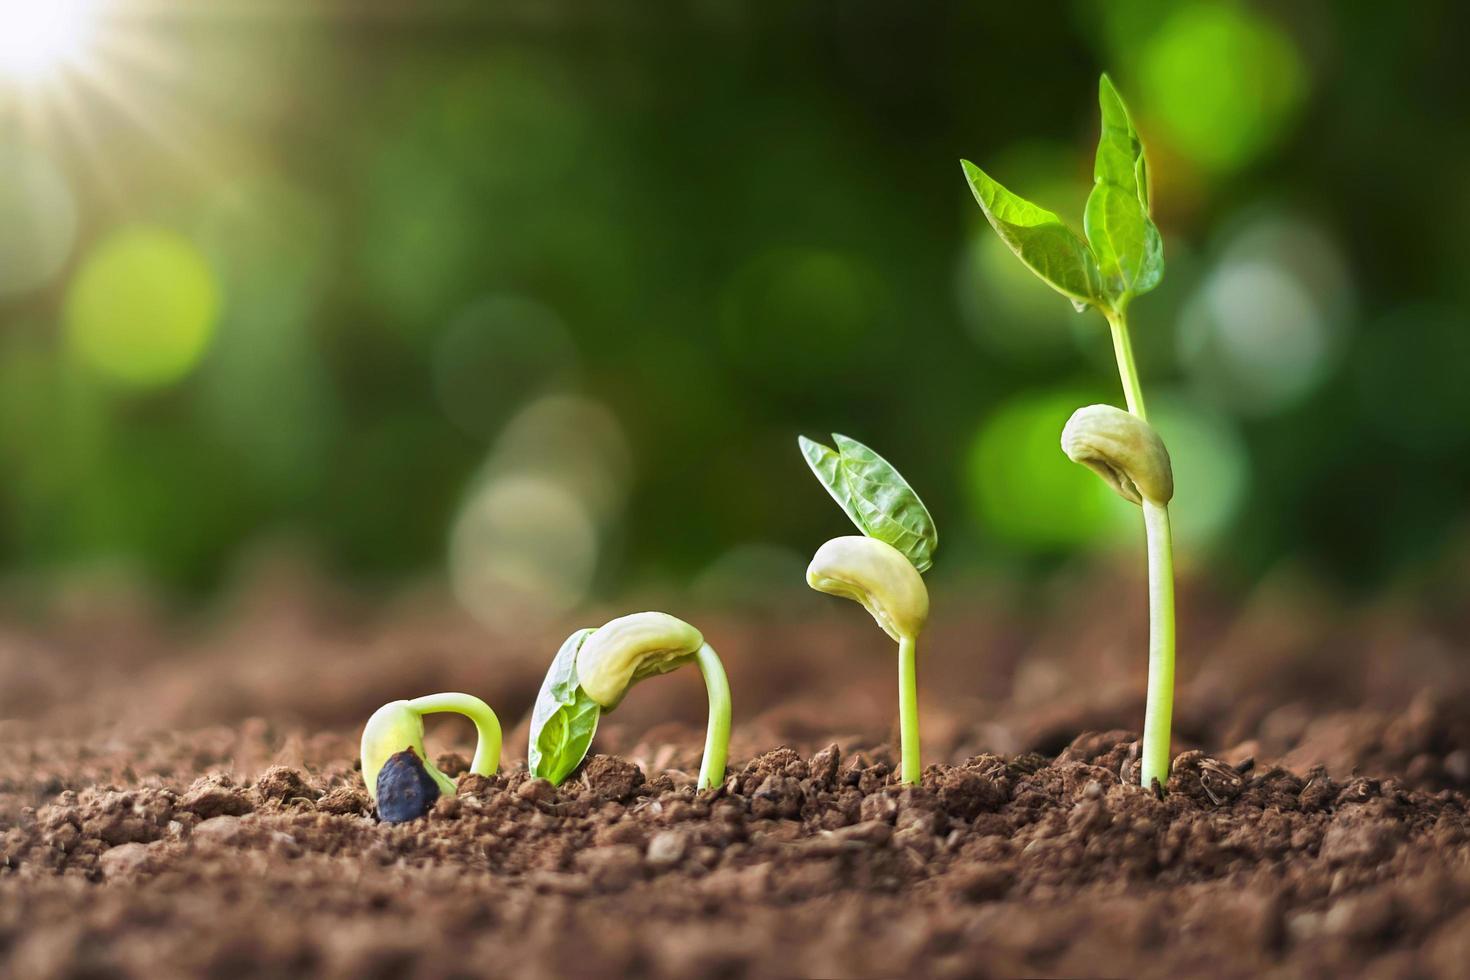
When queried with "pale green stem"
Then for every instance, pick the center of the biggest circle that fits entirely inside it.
(487, 728)
(717, 733)
(1159, 712)
(1127, 370)
(908, 710)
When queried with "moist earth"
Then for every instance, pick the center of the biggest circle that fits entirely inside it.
(798, 864)
(186, 803)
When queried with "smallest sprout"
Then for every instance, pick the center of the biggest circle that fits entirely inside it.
(400, 779)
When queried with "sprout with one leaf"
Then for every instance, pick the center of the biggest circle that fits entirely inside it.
(881, 568)
(1122, 257)
(400, 779)
(594, 670)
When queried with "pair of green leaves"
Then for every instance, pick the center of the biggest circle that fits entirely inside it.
(873, 494)
(564, 718)
(1123, 254)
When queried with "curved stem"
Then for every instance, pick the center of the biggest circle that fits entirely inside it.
(1127, 369)
(1159, 711)
(487, 726)
(717, 733)
(908, 710)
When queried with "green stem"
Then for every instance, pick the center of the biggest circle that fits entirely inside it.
(487, 728)
(717, 733)
(1159, 711)
(1127, 369)
(908, 710)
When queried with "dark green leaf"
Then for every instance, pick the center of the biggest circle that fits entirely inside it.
(564, 719)
(875, 497)
(1039, 238)
(1124, 239)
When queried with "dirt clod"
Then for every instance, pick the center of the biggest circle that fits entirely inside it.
(215, 795)
(611, 778)
(283, 785)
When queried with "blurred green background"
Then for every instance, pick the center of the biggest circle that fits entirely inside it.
(537, 296)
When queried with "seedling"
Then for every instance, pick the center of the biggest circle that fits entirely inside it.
(400, 779)
(594, 670)
(1122, 257)
(881, 568)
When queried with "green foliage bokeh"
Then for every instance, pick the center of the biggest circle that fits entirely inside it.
(365, 249)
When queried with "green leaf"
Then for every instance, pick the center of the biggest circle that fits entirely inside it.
(826, 463)
(1124, 239)
(564, 719)
(1040, 240)
(875, 497)
(1120, 158)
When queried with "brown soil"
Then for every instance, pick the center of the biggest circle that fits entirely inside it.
(188, 806)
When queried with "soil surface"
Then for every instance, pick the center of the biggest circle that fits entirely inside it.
(178, 802)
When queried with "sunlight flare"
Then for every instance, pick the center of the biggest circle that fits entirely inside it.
(41, 37)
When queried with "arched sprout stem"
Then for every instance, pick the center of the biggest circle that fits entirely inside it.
(717, 732)
(594, 670)
(487, 730)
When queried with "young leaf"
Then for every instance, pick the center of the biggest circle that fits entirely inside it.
(826, 464)
(875, 497)
(1040, 240)
(1124, 239)
(564, 718)
(1120, 157)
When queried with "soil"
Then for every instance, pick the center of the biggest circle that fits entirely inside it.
(180, 802)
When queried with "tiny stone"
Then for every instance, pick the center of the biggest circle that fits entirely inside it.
(879, 806)
(218, 830)
(123, 859)
(869, 832)
(667, 848)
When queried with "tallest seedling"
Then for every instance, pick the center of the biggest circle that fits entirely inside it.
(1121, 257)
